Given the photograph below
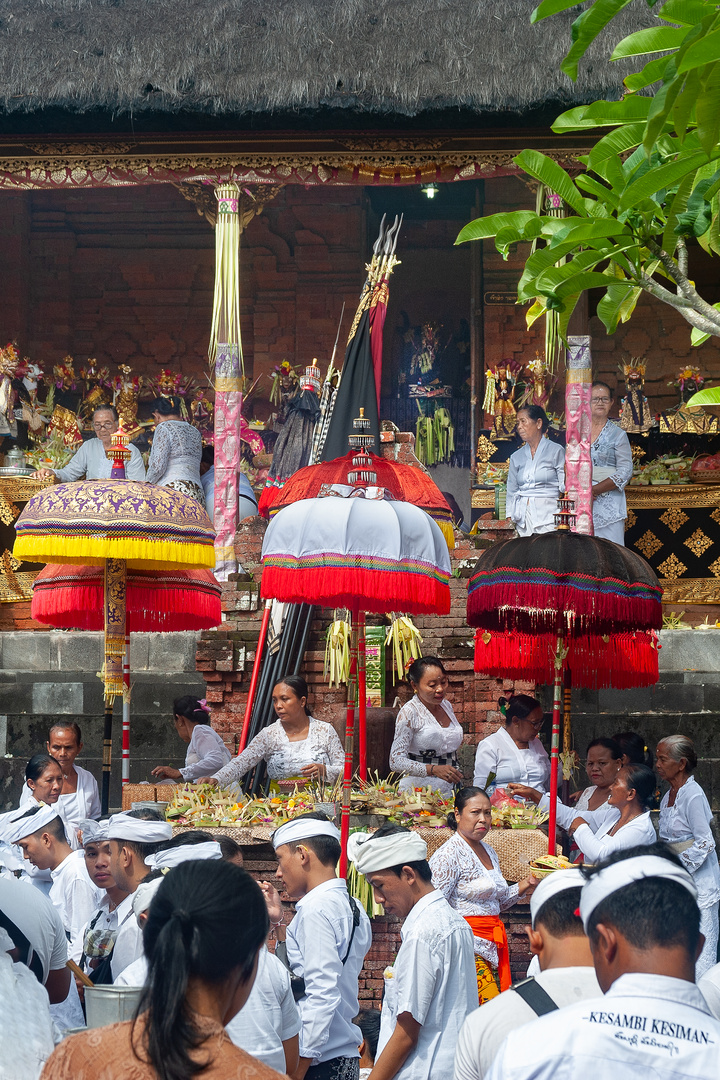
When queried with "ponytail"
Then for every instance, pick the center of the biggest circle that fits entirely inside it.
(207, 920)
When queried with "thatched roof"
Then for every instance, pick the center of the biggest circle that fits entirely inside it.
(239, 57)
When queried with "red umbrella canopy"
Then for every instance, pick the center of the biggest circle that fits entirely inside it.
(563, 583)
(71, 596)
(618, 660)
(404, 482)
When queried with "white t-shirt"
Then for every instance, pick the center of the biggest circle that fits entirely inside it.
(76, 898)
(646, 1026)
(499, 754)
(486, 1027)
(128, 944)
(27, 1037)
(270, 1015)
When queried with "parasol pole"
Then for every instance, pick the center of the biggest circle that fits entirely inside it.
(115, 627)
(559, 662)
(567, 702)
(126, 713)
(362, 698)
(349, 739)
(255, 676)
(578, 413)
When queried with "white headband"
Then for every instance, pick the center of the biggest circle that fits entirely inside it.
(93, 832)
(292, 832)
(550, 886)
(143, 895)
(619, 874)
(22, 827)
(166, 860)
(370, 854)
(138, 830)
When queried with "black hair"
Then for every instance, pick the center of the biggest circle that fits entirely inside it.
(208, 454)
(298, 686)
(517, 707)
(607, 744)
(207, 921)
(536, 412)
(143, 851)
(183, 839)
(418, 667)
(68, 725)
(326, 848)
(634, 746)
(599, 382)
(106, 408)
(558, 914)
(368, 1020)
(190, 708)
(650, 913)
(56, 826)
(229, 848)
(644, 782)
(167, 406)
(37, 765)
(462, 798)
(420, 866)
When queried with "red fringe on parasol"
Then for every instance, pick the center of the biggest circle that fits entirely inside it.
(69, 596)
(621, 660)
(379, 590)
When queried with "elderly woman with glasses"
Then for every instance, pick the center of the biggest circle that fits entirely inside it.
(91, 461)
(612, 467)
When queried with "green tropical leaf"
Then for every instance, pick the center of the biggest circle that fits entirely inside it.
(704, 51)
(711, 395)
(685, 12)
(535, 312)
(593, 279)
(604, 195)
(684, 108)
(617, 305)
(586, 28)
(603, 114)
(653, 40)
(707, 113)
(552, 175)
(551, 7)
(614, 143)
(483, 227)
(651, 73)
(584, 232)
(661, 178)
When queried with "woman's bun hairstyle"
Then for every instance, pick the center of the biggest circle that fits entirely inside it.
(418, 667)
(536, 412)
(167, 406)
(517, 707)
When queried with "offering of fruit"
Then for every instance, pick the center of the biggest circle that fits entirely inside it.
(548, 864)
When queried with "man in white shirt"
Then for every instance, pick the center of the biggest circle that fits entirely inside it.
(80, 798)
(133, 837)
(91, 461)
(432, 985)
(326, 945)
(640, 913)
(567, 975)
(709, 987)
(40, 833)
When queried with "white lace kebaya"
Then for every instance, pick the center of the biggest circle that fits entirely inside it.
(419, 741)
(285, 758)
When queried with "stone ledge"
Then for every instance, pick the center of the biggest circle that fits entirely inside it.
(81, 650)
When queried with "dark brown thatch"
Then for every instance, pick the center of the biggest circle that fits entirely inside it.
(231, 57)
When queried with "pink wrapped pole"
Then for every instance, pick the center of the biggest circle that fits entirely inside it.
(225, 353)
(578, 418)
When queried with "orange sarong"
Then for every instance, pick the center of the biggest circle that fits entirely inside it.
(492, 928)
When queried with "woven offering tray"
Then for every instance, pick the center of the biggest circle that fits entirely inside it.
(244, 837)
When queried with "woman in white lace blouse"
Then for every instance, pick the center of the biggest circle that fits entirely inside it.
(685, 817)
(427, 734)
(295, 745)
(176, 451)
(467, 872)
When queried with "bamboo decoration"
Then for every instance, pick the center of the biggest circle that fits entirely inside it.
(578, 462)
(225, 354)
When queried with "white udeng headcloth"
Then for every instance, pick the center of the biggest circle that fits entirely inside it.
(143, 895)
(124, 827)
(93, 832)
(619, 874)
(166, 860)
(26, 826)
(550, 886)
(370, 853)
(292, 832)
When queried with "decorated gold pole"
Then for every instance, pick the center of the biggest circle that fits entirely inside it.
(115, 590)
(225, 353)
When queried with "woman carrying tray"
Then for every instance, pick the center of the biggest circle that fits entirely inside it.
(467, 872)
(295, 745)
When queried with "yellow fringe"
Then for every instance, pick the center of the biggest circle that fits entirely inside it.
(448, 532)
(94, 550)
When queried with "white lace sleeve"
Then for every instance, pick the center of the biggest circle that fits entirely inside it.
(446, 871)
(336, 755)
(258, 750)
(159, 454)
(399, 760)
(694, 811)
(506, 895)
